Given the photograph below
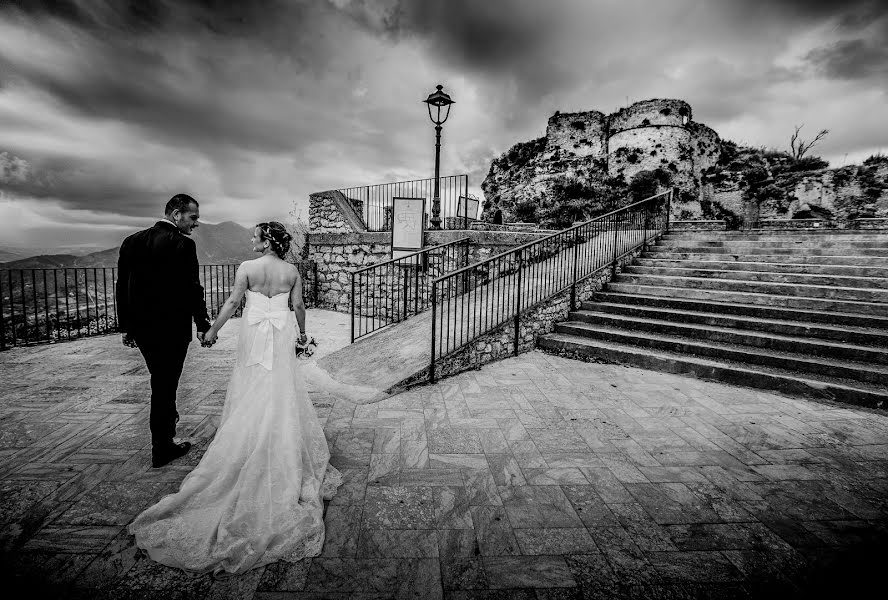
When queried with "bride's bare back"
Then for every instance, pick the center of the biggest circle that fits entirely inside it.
(269, 275)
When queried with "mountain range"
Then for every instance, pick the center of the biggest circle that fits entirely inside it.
(223, 243)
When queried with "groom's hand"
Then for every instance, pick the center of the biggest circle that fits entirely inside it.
(206, 341)
(128, 341)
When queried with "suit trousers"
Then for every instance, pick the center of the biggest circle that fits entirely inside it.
(165, 359)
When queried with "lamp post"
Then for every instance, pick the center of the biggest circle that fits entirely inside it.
(440, 100)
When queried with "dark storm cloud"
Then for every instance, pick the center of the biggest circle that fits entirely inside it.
(852, 59)
(862, 53)
(76, 183)
(129, 63)
(807, 10)
(511, 38)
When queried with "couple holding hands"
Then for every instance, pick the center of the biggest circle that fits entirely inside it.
(257, 494)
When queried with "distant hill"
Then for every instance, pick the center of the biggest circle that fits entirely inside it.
(224, 243)
(8, 255)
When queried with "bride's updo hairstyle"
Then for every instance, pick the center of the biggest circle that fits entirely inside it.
(277, 236)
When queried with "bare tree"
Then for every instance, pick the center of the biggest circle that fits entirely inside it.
(800, 147)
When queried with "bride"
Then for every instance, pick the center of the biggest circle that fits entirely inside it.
(257, 494)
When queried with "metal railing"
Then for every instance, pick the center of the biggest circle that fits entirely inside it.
(374, 202)
(478, 298)
(52, 305)
(391, 291)
(44, 306)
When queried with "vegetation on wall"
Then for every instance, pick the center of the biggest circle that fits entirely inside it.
(527, 212)
(520, 153)
(575, 200)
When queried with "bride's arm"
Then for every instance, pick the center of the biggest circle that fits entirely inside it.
(230, 305)
(298, 305)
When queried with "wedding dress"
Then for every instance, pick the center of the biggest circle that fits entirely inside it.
(257, 494)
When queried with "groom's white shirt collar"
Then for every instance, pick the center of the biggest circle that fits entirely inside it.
(165, 220)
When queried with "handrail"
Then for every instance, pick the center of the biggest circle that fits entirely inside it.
(553, 235)
(392, 290)
(476, 299)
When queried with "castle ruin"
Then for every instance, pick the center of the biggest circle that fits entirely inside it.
(591, 146)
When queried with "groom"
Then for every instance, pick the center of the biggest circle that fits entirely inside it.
(158, 295)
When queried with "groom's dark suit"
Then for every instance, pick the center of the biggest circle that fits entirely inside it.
(158, 295)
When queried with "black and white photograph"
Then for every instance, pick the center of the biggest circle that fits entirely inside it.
(443, 299)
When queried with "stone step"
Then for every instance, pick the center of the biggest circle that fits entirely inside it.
(876, 296)
(753, 250)
(826, 236)
(770, 340)
(802, 259)
(829, 367)
(742, 309)
(793, 244)
(725, 371)
(786, 324)
(778, 267)
(740, 297)
(762, 276)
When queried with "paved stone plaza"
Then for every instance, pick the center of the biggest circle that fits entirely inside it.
(534, 477)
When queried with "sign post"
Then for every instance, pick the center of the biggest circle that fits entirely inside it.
(467, 208)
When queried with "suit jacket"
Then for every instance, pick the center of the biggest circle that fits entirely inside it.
(158, 288)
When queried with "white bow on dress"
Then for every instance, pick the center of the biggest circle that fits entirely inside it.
(262, 348)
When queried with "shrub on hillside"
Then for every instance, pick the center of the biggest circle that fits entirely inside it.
(527, 212)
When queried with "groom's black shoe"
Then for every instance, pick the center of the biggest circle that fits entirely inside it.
(163, 457)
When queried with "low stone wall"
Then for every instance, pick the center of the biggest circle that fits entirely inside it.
(332, 212)
(338, 254)
(796, 224)
(784, 224)
(874, 223)
(697, 226)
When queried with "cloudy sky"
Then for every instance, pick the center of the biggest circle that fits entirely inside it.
(108, 107)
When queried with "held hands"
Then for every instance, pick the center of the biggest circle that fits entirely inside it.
(208, 339)
(128, 341)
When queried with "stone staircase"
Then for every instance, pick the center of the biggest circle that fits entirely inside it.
(801, 312)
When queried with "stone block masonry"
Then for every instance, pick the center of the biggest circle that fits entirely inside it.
(586, 148)
(331, 212)
(339, 254)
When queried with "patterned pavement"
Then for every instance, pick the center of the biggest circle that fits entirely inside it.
(534, 477)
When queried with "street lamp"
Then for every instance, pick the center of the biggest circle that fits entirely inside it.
(439, 99)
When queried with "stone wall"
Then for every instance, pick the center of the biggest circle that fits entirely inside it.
(331, 212)
(583, 150)
(706, 147)
(651, 147)
(339, 254)
(576, 134)
(651, 112)
(698, 225)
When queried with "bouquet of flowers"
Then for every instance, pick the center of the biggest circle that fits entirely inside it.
(304, 349)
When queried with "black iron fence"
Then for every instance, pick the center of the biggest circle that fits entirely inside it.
(469, 302)
(374, 202)
(391, 291)
(42, 306)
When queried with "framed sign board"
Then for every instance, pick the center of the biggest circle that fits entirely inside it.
(408, 225)
(467, 207)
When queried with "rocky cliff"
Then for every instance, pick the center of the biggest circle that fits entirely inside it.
(584, 155)
(589, 163)
(751, 183)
